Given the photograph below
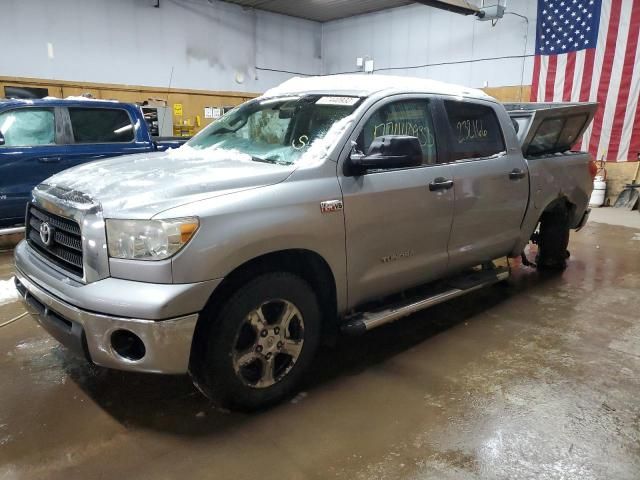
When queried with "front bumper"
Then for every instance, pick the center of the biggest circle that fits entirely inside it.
(160, 315)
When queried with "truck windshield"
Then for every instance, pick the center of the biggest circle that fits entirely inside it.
(277, 130)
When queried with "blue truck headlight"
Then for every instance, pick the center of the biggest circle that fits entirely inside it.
(149, 239)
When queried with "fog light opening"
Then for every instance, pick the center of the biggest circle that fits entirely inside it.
(128, 345)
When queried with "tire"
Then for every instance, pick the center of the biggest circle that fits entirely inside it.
(233, 368)
(553, 240)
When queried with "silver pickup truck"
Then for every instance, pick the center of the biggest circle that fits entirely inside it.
(328, 204)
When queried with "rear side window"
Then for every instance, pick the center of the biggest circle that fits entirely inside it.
(475, 130)
(24, 127)
(100, 125)
(404, 117)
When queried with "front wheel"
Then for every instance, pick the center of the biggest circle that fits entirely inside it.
(261, 343)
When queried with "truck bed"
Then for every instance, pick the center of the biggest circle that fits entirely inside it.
(547, 133)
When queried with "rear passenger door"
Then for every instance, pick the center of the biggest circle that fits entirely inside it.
(491, 183)
(100, 132)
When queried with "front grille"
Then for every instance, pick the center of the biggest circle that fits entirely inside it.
(65, 245)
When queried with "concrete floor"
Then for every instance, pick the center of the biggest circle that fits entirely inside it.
(539, 378)
(616, 216)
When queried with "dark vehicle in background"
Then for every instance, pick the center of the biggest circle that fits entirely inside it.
(39, 138)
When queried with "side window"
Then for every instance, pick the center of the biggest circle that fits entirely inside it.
(100, 125)
(405, 117)
(475, 130)
(26, 127)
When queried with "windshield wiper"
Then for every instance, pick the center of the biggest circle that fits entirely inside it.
(260, 159)
(272, 161)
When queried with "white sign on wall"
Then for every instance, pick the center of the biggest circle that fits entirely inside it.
(212, 112)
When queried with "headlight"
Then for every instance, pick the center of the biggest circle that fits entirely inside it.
(149, 239)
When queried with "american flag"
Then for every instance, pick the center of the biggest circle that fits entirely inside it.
(588, 51)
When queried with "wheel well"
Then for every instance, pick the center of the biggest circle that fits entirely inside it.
(306, 264)
(560, 203)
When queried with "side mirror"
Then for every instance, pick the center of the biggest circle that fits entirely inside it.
(387, 152)
(1, 139)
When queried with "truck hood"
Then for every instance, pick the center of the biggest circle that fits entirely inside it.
(143, 185)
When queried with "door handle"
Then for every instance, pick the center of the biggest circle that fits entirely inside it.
(440, 183)
(516, 174)
(50, 159)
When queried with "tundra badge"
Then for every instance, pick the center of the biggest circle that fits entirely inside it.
(329, 206)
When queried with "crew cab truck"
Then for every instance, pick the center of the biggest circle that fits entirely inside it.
(39, 138)
(303, 212)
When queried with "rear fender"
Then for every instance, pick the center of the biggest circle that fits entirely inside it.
(561, 179)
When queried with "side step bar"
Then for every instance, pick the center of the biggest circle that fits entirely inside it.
(365, 321)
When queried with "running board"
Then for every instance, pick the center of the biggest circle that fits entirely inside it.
(455, 287)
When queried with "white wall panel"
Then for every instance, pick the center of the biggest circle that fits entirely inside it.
(129, 41)
(453, 46)
(209, 44)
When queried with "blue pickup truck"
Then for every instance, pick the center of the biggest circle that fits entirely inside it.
(39, 138)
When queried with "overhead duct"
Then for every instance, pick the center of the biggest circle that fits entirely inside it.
(456, 6)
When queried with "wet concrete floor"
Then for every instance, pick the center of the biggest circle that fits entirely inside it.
(538, 378)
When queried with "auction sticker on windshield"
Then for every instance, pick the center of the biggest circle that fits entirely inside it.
(347, 101)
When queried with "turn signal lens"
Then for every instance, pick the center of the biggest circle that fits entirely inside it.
(187, 230)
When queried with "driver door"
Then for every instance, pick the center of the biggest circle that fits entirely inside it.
(397, 221)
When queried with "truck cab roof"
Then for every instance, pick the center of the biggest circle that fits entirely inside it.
(366, 85)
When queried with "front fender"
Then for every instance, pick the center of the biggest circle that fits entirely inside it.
(240, 227)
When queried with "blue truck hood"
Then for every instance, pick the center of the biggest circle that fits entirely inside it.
(143, 185)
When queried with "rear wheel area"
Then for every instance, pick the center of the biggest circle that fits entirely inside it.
(261, 342)
(553, 239)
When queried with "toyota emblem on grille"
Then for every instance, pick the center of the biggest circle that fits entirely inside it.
(46, 233)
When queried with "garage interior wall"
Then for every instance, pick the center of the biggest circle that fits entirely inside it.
(209, 46)
(212, 53)
(217, 46)
(209, 53)
(426, 42)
